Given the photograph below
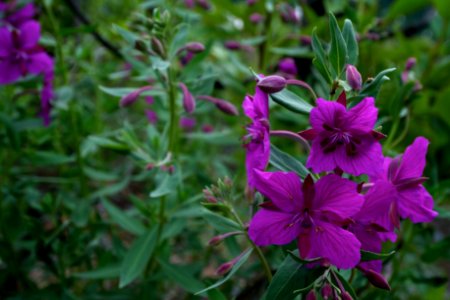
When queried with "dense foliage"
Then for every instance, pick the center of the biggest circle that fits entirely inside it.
(224, 149)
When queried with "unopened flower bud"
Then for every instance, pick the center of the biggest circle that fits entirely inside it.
(158, 47)
(219, 238)
(188, 99)
(272, 84)
(346, 296)
(209, 197)
(189, 3)
(327, 292)
(305, 40)
(377, 280)
(232, 45)
(353, 77)
(187, 124)
(150, 166)
(410, 63)
(129, 99)
(311, 295)
(204, 4)
(194, 47)
(224, 268)
(227, 107)
(256, 18)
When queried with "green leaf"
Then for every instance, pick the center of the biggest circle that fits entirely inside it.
(49, 158)
(181, 277)
(120, 91)
(348, 32)
(128, 223)
(338, 49)
(166, 185)
(285, 162)
(320, 60)
(110, 189)
(372, 88)
(99, 175)
(290, 277)
(107, 272)
(233, 270)
(127, 35)
(219, 222)
(291, 101)
(137, 257)
(367, 255)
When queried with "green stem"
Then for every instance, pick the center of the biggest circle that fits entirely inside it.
(258, 251)
(391, 135)
(173, 114)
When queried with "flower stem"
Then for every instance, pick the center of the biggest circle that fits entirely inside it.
(173, 114)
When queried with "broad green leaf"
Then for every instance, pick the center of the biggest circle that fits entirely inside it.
(338, 49)
(290, 277)
(233, 270)
(137, 257)
(107, 272)
(320, 60)
(291, 101)
(285, 162)
(181, 277)
(367, 255)
(128, 223)
(348, 32)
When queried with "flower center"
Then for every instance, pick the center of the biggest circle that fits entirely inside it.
(338, 137)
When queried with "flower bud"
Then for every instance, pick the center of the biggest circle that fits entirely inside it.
(287, 65)
(152, 117)
(227, 107)
(305, 40)
(232, 45)
(410, 63)
(272, 84)
(219, 238)
(346, 296)
(188, 99)
(150, 166)
(194, 47)
(141, 46)
(207, 128)
(129, 99)
(327, 292)
(209, 197)
(187, 124)
(224, 268)
(158, 47)
(189, 3)
(377, 280)
(204, 4)
(353, 77)
(256, 18)
(311, 295)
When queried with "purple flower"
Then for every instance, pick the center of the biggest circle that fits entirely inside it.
(312, 213)
(372, 222)
(409, 198)
(187, 124)
(152, 117)
(15, 17)
(344, 138)
(287, 67)
(258, 138)
(256, 18)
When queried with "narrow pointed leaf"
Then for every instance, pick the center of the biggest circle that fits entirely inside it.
(320, 60)
(338, 49)
(367, 255)
(181, 277)
(285, 162)
(128, 223)
(348, 32)
(291, 101)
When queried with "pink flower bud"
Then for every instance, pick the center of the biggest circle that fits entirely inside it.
(288, 66)
(152, 117)
(353, 78)
(227, 107)
(194, 47)
(219, 238)
(129, 99)
(305, 40)
(150, 166)
(272, 84)
(207, 128)
(225, 268)
(188, 99)
(158, 47)
(327, 292)
(311, 295)
(209, 197)
(256, 18)
(251, 2)
(346, 296)
(410, 63)
(187, 124)
(189, 3)
(232, 45)
(376, 279)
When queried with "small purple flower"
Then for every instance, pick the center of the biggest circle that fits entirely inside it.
(151, 115)
(187, 124)
(410, 199)
(16, 17)
(149, 100)
(312, 213)
(256, 18)
(258, 137)
(344, 138)
(188, 99)
(288, 67)
(232, 45)
(189, 3)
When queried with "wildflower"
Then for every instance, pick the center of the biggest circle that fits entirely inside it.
(287, 67)
(409, 199)
(344, 138)
(258, 137)
(188, 99)
(353, 77)
(310, 212)
(16, 17)
(327, 291)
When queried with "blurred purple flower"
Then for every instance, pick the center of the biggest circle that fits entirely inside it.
(256, 18)
(152, 117)
(14, 16)
(189, 3)
(187, 124)
(312, 213)
(132, 97)
(287, 67)
(207, 128)
(344, 138)
(257, 141)
(149, 100)
(232, 45)
(290, 14)
(410, 199)
(188, 99)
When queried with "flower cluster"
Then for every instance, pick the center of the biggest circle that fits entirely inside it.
(333, 217)
(20, 54)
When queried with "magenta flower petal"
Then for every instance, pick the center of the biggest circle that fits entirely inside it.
(270, 227)
(370, 241)
(416, 204)
(6, 44)
(40, 63)
(30, 32)
(338, 196)
(326, 112)
(414, 159)
(257, 156)
(332, 243)
(282, 188)
(363, 116)
(9, 72)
